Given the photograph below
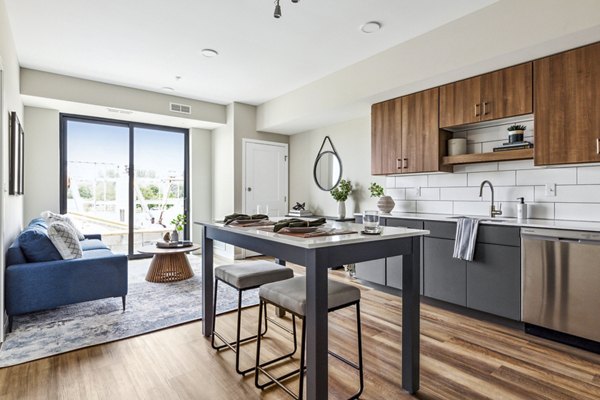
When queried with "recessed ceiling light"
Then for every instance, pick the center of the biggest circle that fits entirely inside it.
(371, 27)
(209, 53)
(167, 89)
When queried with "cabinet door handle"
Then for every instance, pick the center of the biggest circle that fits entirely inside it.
(476, 110)
(405, 163)
(398, 165)
(598, 145)
(485, 112)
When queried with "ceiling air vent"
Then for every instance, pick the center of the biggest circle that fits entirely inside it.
(180, 108)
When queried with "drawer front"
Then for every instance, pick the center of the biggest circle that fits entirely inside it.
(405, 223)
(504, 235)
(442, 230)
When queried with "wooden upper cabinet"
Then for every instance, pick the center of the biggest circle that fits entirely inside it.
(386, 143)
(567, 107)
(507, 92)
(500, 94)
(420, 132)
(460, 102)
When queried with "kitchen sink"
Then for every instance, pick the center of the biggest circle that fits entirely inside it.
(481, 219)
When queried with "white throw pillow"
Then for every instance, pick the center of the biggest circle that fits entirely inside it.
(51, 217)
(65, 239)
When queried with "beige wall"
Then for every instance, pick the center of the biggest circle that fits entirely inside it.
(42, 162)
(352, 140)
(11, 207)
(45, 85)
(201, 179)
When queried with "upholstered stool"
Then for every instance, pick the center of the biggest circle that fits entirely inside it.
(242, 277)
(290, 295)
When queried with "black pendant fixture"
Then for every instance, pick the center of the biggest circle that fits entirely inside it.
(277, 13)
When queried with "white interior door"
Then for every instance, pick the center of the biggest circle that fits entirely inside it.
(265, 178)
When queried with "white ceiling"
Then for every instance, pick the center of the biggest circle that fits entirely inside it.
(146, 43)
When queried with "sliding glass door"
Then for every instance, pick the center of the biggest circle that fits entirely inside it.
(101, 194)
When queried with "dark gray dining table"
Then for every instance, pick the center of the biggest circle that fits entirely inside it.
(317, 254)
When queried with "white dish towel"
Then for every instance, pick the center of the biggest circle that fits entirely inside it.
(466, 235)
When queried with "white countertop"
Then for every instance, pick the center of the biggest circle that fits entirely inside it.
(387, 233)
(527, 223)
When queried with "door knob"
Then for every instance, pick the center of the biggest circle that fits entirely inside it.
(249, 189)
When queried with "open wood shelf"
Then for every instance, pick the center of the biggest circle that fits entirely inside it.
(521, 154)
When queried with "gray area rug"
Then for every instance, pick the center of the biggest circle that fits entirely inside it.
(150, 307)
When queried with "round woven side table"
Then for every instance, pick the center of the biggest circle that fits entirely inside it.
(169, 265)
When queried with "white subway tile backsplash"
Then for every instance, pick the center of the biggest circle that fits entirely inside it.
(390, 182)
(541, 176)
(577, 211)
(447, 180)
(474, 148)
(405, 206)
(460, 193)
(481, 167)
(411, 181)
(540, 210)
(513, 165)
(509, 193)
(488, 147)
(569, 194)
(471, 208)
(425, 194)
(501, 178)
(587, 175)
(434, 207)
(396, 194)
(488, 134)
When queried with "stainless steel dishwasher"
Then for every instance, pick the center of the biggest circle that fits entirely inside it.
(561, 281)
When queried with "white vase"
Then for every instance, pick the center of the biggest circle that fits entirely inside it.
(175, 236)
(385, 204)
(341, 209)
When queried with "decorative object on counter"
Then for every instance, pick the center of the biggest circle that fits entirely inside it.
(243, 217)
(297, 223)
(340, 194)
(457, 146)
(516, 133)
(167, 237)
(350, 270)
(174, 245)
(327, 171)
(521, 208)
(179, 221)
(514, 146)
(371, 222)
(299, 210)
(385, 203)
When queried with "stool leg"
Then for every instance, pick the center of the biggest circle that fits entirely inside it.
(257, 362)
(302, 360)
(360, 354)
(214, 315)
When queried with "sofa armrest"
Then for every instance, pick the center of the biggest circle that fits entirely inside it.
(93, 236)
(43, 285)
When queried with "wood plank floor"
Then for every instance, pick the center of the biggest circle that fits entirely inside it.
(462, 358)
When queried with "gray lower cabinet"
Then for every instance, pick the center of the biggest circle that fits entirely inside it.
(372, 271)
(494, 280)
(445, 277)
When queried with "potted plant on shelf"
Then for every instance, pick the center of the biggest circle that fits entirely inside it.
(179, 221)
(516, 133)
(340, 194)
(385, 203)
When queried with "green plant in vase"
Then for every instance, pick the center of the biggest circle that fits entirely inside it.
(340, 194)
(385, 203)
(179, 222)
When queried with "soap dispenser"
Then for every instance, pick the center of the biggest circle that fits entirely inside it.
(521, 208)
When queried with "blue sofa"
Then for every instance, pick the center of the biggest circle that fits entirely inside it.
(37, 278)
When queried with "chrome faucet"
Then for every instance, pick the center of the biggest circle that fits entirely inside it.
(493, 211)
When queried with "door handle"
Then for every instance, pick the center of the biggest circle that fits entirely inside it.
(485, 112)
(398, 166)
(405, 163)
(597, 145)
(476, 110)
(249, 189)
